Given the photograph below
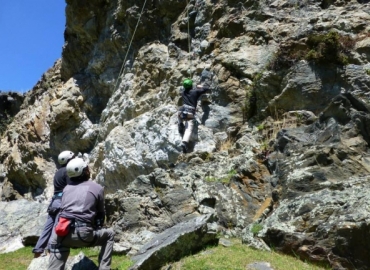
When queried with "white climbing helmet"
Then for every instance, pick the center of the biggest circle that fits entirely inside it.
(75, 167)
(65, 156)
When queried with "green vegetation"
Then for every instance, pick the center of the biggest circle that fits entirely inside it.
(299, 118)
(250, 97)
(159, 191)
(206, 156)
(260, 127)
(17, 260)
(320, 48)
(21, 259)
(256, 228)
(368, 72)
(237, 257)
(224, 180)
(211, 179)
(224, 145)
(268, 130)
(264, 146)
(230, 174)
(329, 48)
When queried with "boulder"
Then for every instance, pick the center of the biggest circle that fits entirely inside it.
(183, 239)
(21, 223)
(80, 262)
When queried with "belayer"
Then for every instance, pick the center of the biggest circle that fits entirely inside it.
(61, 179)
(81, 219)
(186, 114)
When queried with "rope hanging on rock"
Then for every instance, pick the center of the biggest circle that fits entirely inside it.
(189, 43)
(124, 61)
(129, 46)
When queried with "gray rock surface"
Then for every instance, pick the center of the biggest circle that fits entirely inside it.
(283, 139)
(10, 103)
(80, 262)
(21, 222)
(259, 266)
(175, 242)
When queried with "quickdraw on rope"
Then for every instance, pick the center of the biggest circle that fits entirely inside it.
(129, 46)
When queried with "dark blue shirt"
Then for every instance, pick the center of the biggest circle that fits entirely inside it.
(190, 97)
(61, 179)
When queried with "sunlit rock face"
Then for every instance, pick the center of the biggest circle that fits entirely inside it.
(282, 138)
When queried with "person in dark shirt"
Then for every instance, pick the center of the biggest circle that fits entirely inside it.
(186, 115)
(61, 179)
(83, 208)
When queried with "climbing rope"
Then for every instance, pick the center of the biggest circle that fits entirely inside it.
(128, 49)
(124, 62)
(189, 43)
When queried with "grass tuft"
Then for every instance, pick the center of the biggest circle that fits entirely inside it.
(320, 48)
(21, 258)
(238, 257)
(235, 257)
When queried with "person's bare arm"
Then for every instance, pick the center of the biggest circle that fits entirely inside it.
(204, 88)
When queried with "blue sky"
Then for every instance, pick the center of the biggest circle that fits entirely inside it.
(31, 40)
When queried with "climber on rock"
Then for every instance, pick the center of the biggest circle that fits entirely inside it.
(61, 179)
(186, 114)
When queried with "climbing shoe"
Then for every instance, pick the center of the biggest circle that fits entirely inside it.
(39, 254)
(181, 128)
(184, 147)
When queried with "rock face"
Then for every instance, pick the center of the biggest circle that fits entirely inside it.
(180, 240)
(80, 262)
(10, 103)
(324, 173)
(282, 140)
(21, 223)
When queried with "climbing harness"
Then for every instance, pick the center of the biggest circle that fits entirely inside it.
(52, 210)
(186, 112)
(58, 249)
(68, 226)
(79, 224)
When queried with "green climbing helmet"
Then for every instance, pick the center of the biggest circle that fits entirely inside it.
(187, 83)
